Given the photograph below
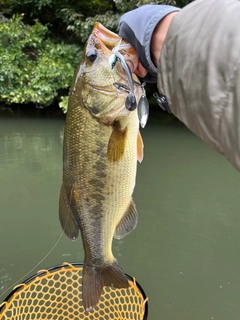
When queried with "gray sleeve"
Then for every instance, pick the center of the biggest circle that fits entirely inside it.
(137, 27)
(199, 73)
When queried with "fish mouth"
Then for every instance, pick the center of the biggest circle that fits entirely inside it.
(111, 44)
(106, 37)
(109, 40)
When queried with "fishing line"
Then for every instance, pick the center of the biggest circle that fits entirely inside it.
(132, 64)
(121, 49)
(117, 69)
(23, 277)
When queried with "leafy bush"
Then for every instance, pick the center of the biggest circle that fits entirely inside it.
(36, 69)
(81, 22)
(33, 68)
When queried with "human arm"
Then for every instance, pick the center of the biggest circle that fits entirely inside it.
(198, 70)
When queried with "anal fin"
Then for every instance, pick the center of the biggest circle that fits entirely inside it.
(127, 223)
(65, 217)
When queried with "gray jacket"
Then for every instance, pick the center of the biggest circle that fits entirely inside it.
(199, 72)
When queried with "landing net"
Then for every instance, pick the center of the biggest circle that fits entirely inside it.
(55, 293)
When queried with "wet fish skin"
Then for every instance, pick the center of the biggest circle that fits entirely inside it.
(101, 147)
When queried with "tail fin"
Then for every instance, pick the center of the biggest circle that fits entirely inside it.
(95, 278)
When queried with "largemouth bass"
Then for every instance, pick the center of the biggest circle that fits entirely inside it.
(101, 147)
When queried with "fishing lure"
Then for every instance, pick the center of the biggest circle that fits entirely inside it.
(162, 102)
(143, 108)
(143, 105)
(130, 102)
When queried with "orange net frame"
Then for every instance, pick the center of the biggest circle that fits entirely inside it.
(55, 293)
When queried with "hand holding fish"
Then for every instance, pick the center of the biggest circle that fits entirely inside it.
(155, 20)
(179, 49)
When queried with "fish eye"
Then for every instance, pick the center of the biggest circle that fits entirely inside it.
(92, 55)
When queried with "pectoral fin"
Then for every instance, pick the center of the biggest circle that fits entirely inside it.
(127, 223)
(65, 217)
(139, 147)
(117, 143)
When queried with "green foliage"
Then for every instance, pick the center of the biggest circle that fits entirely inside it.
(33, 68)
(63, 104)
(81, 23)
(124, 6)
(41, 40)
(182, 3)
(82, 26)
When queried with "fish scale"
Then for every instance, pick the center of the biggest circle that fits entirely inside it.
(101, 147)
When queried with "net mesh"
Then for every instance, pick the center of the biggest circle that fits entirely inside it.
(55, 293)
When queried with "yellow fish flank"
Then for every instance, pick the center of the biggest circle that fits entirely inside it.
(101, 147)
